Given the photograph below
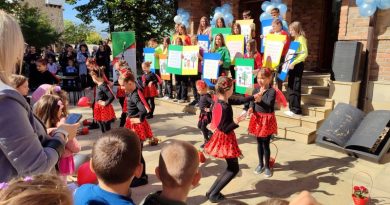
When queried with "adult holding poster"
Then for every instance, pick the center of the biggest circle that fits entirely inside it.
(220, 47)
(277, 29)
(235, 45)
(247, 15)
(194, 78)
(184, 36)
(296, 69)
(181, 80)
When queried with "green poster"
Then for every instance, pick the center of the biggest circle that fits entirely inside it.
(244, 74)
(174, 59)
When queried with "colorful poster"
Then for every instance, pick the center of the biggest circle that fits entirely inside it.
(235, 45)
(246, 29)
(273, 50)
(204, 42)
(223, 31)
(123, 46)
(190, 60)
(211, 65)
(163, 67)
(174, 59)
(288, 59)
(266, 27)
(244, 74)
(150, 57)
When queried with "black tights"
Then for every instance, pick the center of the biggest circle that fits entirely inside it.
(105, 126)
(263, 150)
(230, 172)
(143, 161)
(203, 127)
(151, 105)
(123, 115)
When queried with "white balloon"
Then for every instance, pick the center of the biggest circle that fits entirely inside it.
(177, 19)
(218, 15)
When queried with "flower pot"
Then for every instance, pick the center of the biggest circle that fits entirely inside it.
(360, 201)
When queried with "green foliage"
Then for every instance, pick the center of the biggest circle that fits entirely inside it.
(74, 33)
(94, 38)
(35, 26)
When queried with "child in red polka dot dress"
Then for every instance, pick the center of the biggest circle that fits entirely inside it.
(262, 123)
(149, 81)
(223, 143)
(103, 111)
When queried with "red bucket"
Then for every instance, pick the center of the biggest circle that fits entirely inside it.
(272, 160)
(361, 200)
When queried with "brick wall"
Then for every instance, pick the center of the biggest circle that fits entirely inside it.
(53, 13)
(310, 13)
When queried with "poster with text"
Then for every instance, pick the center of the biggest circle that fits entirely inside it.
(235, 45)
(204, 42)
(244, 74)
(246, 29)
(174, 59)
(163, 67)
(288, 59)
(190, 60)
(211, 65)
(273, 50)
(123, 46)
(149, 57)
(266, 27)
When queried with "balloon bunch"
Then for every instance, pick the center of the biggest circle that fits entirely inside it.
(182, 17)
(225, 11)
(268, 6)
(368, 7)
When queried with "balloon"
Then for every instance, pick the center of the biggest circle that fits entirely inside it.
(369, 1)
(85, 175)
(367, 9)
(84, 102)
(218, 10)
(180, 10)
(359, 2)
(217, 15)
(265, 16)
(282, 8)
(276, 1)
(264, 5)
(80, 159)
(228, 18)
(227, 8)
(383, 4)
(269, 8)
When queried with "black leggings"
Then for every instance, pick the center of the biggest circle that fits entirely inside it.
(123, 115)
(206, 132)
(230, 172)
(263, 150)
(143, 161)
(168, 88)
(181, 87)
(294, 88)
(105, 126)
(193, 80)
(151, 105)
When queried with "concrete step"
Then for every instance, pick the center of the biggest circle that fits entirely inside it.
(304, 121)
(320, 79)
(317, 100)
(296, 133)
(310, 89)
(312, 110)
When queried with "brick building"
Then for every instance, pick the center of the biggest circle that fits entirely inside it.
(53, 9)
(325, 22)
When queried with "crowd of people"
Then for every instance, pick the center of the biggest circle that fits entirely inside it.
(45, 142)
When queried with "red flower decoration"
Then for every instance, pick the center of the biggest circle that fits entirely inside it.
(356, 188)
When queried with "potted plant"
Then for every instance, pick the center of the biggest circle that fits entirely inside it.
(360, 195)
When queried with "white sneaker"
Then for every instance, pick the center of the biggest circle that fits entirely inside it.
(244, 113)
(289, 113)
(166, 98)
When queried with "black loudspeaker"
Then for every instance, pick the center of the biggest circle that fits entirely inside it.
(349, 130)
(346, 61)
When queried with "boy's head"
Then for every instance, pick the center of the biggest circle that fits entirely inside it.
(275, 13)
(41, 65)
(70, 62)
(246, 14)
(178, 165)
(153, 43)
(116, 156)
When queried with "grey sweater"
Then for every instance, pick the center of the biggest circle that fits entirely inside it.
(21, 138)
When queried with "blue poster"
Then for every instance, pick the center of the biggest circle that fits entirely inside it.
(210, 67)
(149, 56)
(266, 27)
(204, 42)
(291, 54)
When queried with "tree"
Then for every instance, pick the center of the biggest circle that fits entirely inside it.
(94, 38)
(35, 26)
(74, 33)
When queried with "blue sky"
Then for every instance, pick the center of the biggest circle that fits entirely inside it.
(70, 14)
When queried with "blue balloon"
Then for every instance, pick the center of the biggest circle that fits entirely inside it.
(367, 9)
(282, 8)
(218, 10)
(265, 16)
(383, 4)
(277, 1)
(228, 19)
(264, 5)
(224, 11)
(180, 10)
(227, 7)
(359, 2)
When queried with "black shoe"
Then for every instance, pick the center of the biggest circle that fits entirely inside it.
(149, 116)
(217, 198)
(139, 181)
(193, 103)
(93, 126)
(202, 146)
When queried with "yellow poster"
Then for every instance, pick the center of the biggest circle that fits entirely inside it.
(235, 45)
(273, 50)
(190, 60)
(246, 28)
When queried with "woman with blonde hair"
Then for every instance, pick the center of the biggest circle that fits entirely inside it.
(25, 147)
(204, 26)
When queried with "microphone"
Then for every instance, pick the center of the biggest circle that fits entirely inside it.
(297, 53)
(124, 44)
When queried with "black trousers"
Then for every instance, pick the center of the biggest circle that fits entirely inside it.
(193, 79)
(263, 151)
(151, 105)
(230, 172)
(294, 88)
(123, 115)
(181, 87)
(168, 88)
